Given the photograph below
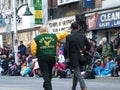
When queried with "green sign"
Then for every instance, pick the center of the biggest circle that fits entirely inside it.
(38, 11)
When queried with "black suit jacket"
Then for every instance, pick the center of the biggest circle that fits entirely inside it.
(75, 42)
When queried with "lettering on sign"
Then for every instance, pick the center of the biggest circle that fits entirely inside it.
(110, 16)
(103, 20)
(110, 19)
(60, 24)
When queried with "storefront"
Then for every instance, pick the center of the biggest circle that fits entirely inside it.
(103, 23)
(25, 35)
(26, 29)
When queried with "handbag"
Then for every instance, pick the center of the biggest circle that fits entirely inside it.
(85, 58)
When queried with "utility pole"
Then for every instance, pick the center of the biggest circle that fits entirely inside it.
(15, 31)
(45, 11)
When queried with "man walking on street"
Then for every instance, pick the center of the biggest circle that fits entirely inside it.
(43, 47)
(75, 42)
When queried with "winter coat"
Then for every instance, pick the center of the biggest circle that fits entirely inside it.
(106, 50)
(75, 42)
(22, 49)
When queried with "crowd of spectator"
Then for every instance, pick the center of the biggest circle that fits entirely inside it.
(106, 60)
(26, 64)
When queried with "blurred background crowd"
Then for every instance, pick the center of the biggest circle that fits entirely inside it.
(106, 60)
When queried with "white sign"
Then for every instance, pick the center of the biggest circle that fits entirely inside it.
(62, 2)
(61, 24)
(110, 3)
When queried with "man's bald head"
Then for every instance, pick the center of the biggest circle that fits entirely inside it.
(43, 28)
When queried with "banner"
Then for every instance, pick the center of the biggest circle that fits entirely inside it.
(38, 11)
(103, 20)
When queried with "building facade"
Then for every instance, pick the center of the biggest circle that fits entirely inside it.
(104, 21)
(61, 13)
(26, 27)
(64, 8)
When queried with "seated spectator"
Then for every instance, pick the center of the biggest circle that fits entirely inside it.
(30, 65)
(108, 69)
(1, 70)
(61, 70)
(11, 60)
(4, 64)
(23, 68)
(13, 70)
(98, 68)
(116, 67)
(36, 69)
(61, 47)
(61, 57)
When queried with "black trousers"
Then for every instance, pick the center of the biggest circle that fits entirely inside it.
(46, 64)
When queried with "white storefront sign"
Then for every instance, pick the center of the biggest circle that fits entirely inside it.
(110, 3)
(58, 25)
(63, 2)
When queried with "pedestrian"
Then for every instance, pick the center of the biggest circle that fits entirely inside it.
(75, 41)
(22, 48)
(43, 47)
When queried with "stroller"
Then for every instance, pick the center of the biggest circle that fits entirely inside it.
(89, 74)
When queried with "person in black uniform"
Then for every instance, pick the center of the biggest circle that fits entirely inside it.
(43, 46)
(75, 41)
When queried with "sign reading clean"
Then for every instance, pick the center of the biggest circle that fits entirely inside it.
(104, 20)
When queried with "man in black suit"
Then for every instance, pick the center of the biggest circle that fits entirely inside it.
(75, 42)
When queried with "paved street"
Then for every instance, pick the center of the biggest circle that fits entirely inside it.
(32, 83)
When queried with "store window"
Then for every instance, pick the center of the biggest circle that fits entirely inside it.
(27, 37)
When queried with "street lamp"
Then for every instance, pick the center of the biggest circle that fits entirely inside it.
(15, 11)
(27, 12)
